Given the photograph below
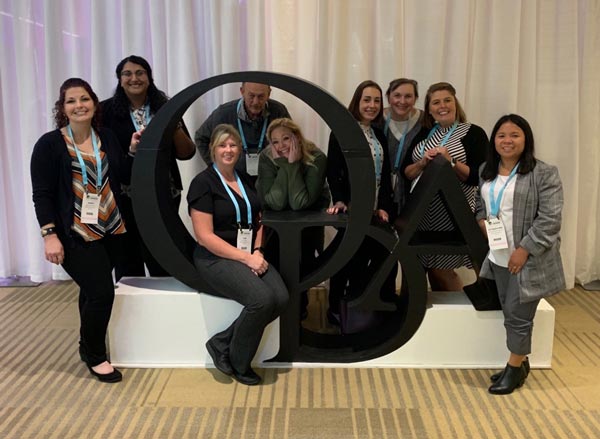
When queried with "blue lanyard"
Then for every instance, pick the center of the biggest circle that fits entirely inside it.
(495, 202)
(147, 118)
(400, 142)
(262, 134)
(433, 131)
(82, 163)
(238, 215)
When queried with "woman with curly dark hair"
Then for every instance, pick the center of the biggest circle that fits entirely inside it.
(135, 102)
(76, 174)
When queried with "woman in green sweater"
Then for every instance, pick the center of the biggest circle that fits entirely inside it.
(291, 175)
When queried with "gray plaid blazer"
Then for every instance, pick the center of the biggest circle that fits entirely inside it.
(537, 214)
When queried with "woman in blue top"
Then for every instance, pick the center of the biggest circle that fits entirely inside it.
(225, 211)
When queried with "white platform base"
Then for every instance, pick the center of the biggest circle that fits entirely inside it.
(159, 322)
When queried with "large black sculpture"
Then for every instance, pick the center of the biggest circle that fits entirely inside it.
(171, 244)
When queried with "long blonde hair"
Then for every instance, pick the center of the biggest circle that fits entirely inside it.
(306, 146)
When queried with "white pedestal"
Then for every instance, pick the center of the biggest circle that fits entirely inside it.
(160, 322)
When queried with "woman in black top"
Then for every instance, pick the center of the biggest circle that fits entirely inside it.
(225, 211)
(133, 105)
(366, 107)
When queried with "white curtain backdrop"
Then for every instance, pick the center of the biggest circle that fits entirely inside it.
(538, 58)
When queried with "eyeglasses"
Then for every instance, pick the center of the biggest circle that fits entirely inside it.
(137, 73)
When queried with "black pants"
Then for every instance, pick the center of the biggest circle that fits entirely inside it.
(90, 265)
(135, 252)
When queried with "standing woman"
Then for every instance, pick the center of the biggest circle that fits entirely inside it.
(461, 143)
(76, 175)
(519, 209)
(135, 102)
(403, 123)
(225, 212)
(366, 107)
(291, 176)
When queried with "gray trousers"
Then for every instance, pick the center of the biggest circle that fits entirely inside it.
(264, 299)
(518, 317)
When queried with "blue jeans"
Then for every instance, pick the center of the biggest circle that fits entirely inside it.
(264, 298)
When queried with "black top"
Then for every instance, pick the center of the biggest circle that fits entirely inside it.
(52, 178)
(338, 178)
(123, 127)
(207, 194)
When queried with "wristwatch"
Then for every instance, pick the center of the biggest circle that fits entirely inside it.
(453, 162)
(48, 231)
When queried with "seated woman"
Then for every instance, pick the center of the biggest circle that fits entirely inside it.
(519, 209)
(225, 212)
(291, 175)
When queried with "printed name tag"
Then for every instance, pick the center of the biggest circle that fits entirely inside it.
(496, 234)
(252, 164)
(89, 208)
(244, 240)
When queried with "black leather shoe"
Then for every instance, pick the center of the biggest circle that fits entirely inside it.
(497, 375)
(512, 378)
(220, 360)
(114, 377)
(249, 378)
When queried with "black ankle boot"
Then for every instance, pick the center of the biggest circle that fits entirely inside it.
(512, 378)
(497, 375)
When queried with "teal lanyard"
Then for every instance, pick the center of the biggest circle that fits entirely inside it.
(495, 202)
(433, 131)
(238, 215)
(147, 118)
(262, 134)
(378, 151)
(82, 162)
(400, 142)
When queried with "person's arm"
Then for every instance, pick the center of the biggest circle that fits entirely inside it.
(475, 143)
(305, 182)
(385, 196)
(272, 182)
(202, 223)
(184, 147)
(45, 168)
(480, 210)
(202, 139)
(545, 229)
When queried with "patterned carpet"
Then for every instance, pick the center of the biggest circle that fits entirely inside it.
(46, 392)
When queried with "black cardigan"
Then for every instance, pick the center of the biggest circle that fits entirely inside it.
(337, 174)
(52, 178)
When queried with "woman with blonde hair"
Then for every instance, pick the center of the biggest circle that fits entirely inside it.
(291, 176)
(225, 212)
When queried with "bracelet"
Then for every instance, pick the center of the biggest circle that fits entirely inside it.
(48, 231)
(260, 249)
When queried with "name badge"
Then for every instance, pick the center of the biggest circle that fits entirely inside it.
(252, 164)
(244, 240)
(89, 208)
(496, 234)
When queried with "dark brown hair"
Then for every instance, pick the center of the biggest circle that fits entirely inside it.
(355, 101)
(428, 120)
(60, 118)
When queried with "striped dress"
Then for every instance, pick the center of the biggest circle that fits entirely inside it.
(109, 217)
(436, 218)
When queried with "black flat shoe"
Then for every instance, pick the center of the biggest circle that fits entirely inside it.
(220, 360)
(249, 378)
(512, 378)
(497, 375)
(114, 377)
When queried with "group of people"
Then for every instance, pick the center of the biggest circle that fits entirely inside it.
(257, 158)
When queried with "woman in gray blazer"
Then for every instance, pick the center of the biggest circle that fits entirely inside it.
(519, 208)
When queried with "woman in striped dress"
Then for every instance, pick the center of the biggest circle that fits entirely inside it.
(76, 175)
(461, 143)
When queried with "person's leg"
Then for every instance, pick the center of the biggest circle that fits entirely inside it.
(131, 262)
(444, 280)
(89, 264)
(263, 299)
